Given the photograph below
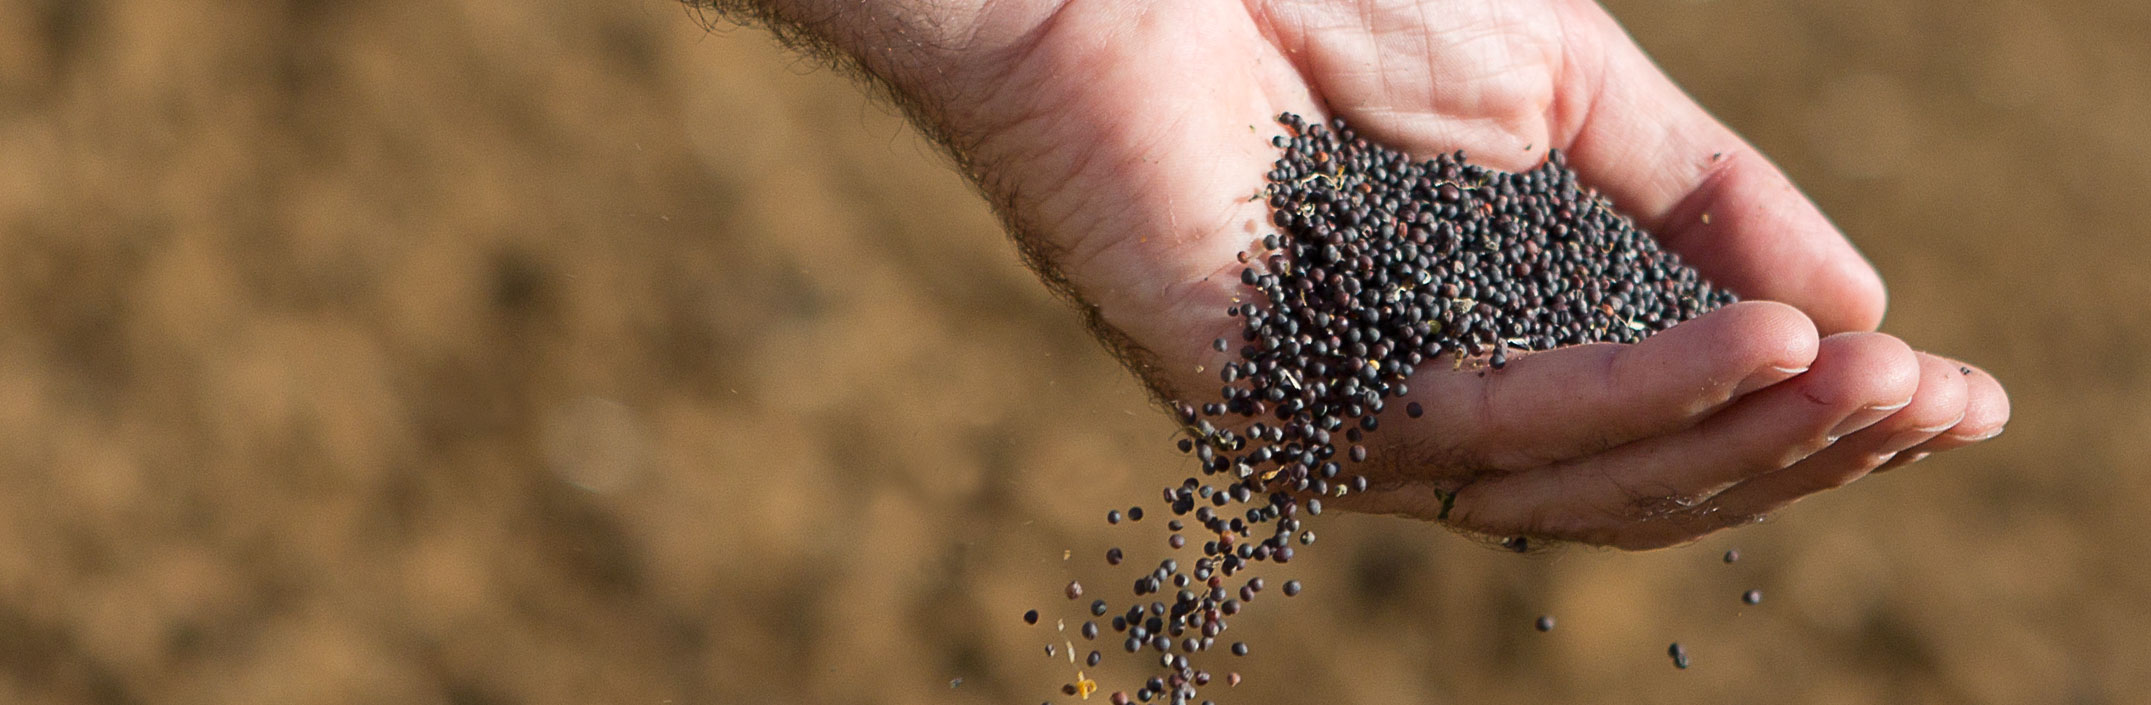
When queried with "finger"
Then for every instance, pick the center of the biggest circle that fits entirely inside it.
(1559, 404)
(1706, 193)
(1986, 412)
(1938, 406)
(1857, 380)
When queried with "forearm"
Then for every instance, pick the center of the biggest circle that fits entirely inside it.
(933, 57)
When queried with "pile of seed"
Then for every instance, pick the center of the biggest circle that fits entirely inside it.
(1380, 265)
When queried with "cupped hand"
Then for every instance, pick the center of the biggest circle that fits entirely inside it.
(1123, 141)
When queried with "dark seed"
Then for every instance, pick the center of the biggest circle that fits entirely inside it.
(1112, 516)
(1379, 264)
(1732, 555)
(1075, 589)
(1030, 617)
(1752, 597)
(1680, 655)
(1545, 623)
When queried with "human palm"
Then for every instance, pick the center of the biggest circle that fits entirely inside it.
(1123, 142)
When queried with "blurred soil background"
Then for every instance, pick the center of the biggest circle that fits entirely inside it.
(565, 352)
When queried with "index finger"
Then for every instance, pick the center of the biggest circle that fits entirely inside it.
(1702, 190)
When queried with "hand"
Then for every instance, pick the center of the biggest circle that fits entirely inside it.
(1122, 142)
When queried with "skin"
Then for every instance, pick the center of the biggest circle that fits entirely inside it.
(1121, 142)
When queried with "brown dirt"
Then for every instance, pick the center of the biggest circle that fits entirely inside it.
(550, 352)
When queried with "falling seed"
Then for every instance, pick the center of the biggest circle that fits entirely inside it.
(1752, 597)
(1680, 655)
(1112, 516)
(1239, 648)
(1030, 617)
(1075, 589)
(1545, 623)
(1379, 264)
(1732, 555)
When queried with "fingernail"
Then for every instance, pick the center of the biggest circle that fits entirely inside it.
(1903, 460)
(1990, 434)
(1765, 377)
(1864, 418)
(1903, 440)
(1912, 437)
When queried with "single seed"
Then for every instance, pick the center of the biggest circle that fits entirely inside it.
(1752, 597)
(1030, 617)
(1239, 648)
(1075, 589)
(1732, 555)
(1292, 588)
(1545, 623)
(1112, 516)
(1680, 655)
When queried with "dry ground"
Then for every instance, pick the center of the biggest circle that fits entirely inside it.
(535, 351)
